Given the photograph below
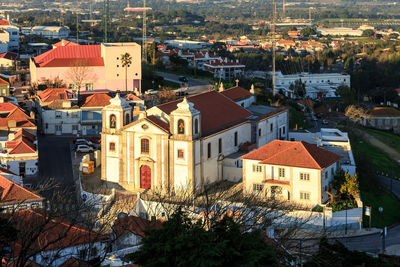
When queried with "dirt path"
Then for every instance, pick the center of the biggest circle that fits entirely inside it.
(392, 153)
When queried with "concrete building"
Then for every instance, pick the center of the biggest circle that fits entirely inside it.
(13, 32)
(98, 66)
(50, 32)
(339, 31)
(317, 85)
(182, 145)
(225, 69)
(383, 118)
(91, 107)
(294, 171)
(8, 59)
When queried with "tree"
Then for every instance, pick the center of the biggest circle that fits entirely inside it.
(356, 114)
(368, 33)
(80, 73)
(126, 60)
(308, 31)
(350, 186)
(347, 94)
(298, 88)
(184, 242)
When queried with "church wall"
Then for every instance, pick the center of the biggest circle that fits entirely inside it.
(181, 166)
(112, 158)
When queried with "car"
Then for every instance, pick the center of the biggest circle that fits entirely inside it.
(325, 122)
(314, 118)
(81, 141)
(95, 140)
(183, 79)
(84, 149)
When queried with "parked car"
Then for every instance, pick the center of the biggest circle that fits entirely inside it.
(95, 140)
(84, 149)
(325, 122)
(183, 79)
(82, 141)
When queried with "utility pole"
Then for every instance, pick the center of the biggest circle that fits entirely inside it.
(144, 36)
(77, 22)
(283, 9)
(106, 17)
(273, 46)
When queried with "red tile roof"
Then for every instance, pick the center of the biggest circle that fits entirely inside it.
(4, 82)
(295, 154)
(4, 22)
(9, 55)
(52, 94)
(132, 97)
(56, 233)
(10, 112)
(217, 111)
(384, 111)
(136, 225)
(11, 192)
(69, 56)
(20, 146)
(64, 43)
(73, 262)
(97, 100)
(158, 122)
(23, 133)
(236, 93)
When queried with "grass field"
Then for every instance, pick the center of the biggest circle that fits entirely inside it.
(388, 138)
(370, 160)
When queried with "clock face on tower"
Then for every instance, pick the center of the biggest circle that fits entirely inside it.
(181, 127)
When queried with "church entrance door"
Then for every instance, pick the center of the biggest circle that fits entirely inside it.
(145, 177)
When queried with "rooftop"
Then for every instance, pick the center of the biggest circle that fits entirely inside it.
(236, 93)
(11, 192)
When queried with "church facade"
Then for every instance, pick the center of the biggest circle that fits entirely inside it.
(181, 145)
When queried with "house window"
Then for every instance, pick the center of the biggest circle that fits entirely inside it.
(257, 187)
(127, 118)
(333, 171)
(257, 168)
(181, 154)
(89, 115)
(58, 114)
(281, 172)
(113, 121)
(236, 138)
(112, 147)
(89, 87)
(283, 130)
(259, 132)
(75, 127)
(272, 127)
(144, 146)
(75, 115)
(82, 253)
(326, 175)
(305, 176)
(304, 195)
(209, 150)
(196, 126)
(181, 127)
(93, 252)
(219, 146)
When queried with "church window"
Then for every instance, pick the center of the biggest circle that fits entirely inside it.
(181, 154)
(196, 126)
(236, 139)
(209, 150)
(220, 146)
(181, 127)
(127, 118)
(113, 121)
(144, 145)
(112, 147)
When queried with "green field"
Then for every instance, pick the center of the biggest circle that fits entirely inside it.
(370, 160)
(392, 140)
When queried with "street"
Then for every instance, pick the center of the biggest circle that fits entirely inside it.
(194, 86)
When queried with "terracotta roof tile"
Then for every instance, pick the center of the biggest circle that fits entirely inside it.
(12, 192)
(158, 122)
(21, 146)
(217, 111)
(384, 111)
(4, 22)
(97, 100)
(236, 93)
(8, 55)
(296, 154)
(10, 112)
(4, 82)
(51, 94)
(134, 225)
(64, 43)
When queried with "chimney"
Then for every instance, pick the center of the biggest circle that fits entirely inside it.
(12, 124)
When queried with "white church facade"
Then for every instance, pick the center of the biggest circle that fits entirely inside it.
(182, 145)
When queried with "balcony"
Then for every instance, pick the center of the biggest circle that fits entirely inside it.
(276, 181)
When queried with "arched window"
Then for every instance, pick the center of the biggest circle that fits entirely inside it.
(127, 118)
(196, 126)
(181, 127)
(113, 121)
(144, 146)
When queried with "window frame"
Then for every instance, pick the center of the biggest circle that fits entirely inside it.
(304, 176)
(180, 154)
(145, 146)
(111, 146)
(280, 172)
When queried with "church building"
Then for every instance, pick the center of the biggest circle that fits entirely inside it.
(182, 145)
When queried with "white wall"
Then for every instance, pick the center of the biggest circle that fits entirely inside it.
(68, 118)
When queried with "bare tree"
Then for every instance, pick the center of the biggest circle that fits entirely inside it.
(80, 73)
(356, 114)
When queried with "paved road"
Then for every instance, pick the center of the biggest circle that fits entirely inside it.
(193, 86)
(391, 185)
(55, 163)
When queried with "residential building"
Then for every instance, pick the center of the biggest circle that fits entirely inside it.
(332, 140)
(64, 43)
(225, 69)
(99, 66)
(20, 153)
(59, 112)
(7, 59)
(4, 87)
(53, 240)
(317, 85)
(12, 119)
(288, 170)
(13, 32)
(383, 118)
(14, 197)
(50, 32)
(182, 145)
(91, 107)
(339, 31)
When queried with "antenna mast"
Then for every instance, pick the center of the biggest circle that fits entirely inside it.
(106, 17)
(273, 46)
(144, 36)
(77, 22)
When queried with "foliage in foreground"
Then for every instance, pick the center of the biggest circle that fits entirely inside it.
(181, 242)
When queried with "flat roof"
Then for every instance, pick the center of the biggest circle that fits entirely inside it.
(260, 110)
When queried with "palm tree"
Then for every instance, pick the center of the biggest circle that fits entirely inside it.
(126, 60)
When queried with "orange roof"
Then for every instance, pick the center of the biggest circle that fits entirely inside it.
(64, 43)
(294, 154)
(8, 55)
(217, 111)
(134, 225)
(158, 122)
(4, 22)
(384, 111)
(69, 56)
(236, 93)
(51, 94)
(133, 97)
(20, 146)
(10, 112)
(97, 100)
(12, 192)
(4, 82)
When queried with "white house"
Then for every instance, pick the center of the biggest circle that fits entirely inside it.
(317, 85)
(51, 32)
(13, 31)
(288, 170)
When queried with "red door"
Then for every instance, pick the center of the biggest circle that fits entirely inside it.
(145, 177)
